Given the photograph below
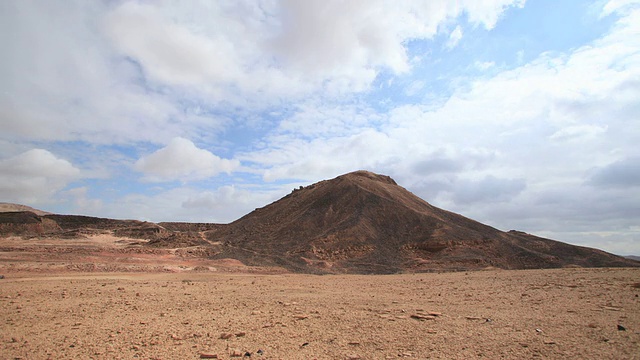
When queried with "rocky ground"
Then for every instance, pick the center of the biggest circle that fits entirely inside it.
(546, 314)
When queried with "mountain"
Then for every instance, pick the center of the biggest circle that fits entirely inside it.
(359, 222)
(363, 222)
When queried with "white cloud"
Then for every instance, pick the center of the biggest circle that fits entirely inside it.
(578, 132)
(484, 65)
(182, 160)
(168, 51)
(414, 88)
(119, 72)
(34, 176)
(454, 37)
(618, 6)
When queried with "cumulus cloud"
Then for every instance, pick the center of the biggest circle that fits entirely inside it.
(182, 160)
(34, 176)
(170, 52)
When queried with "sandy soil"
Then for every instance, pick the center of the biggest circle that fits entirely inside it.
(546, 314)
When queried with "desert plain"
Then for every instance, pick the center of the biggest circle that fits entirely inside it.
(164, 305)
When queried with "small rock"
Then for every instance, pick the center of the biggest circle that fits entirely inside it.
(208, 356)
(247, 354)
(236, 353)
(353, 357)
(621, 328)
(538, 330)
(260, 352)
(241, 334)
(300, 317)
(422, 317)
(225, 336)
(1, 276)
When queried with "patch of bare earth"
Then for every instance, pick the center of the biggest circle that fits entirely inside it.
(546, 314)
(108, 253)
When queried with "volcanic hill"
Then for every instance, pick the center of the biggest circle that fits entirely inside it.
(363, 222)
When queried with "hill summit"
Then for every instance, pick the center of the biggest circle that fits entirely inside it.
(363, 222)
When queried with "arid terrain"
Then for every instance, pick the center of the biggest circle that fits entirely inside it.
(439, 285)
(497, 314)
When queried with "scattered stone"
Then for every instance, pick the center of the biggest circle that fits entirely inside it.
(473, 318)
(300, 317)
(208, 356)
(422, 317)
(353, 357)
(236, 353)
(434, 313)
(267, 325)
(549, 342)
(225, 336)
(611, 308)
(353, 343)
(304, 344)
(260, 352)
(247, 354)
(621, 328)
(176, 337)
(1, 276)
(538, 330)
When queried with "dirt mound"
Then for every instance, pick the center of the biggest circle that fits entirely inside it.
(10, 207)
(363, 222)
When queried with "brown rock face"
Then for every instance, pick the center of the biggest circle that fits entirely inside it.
(363, 222)
(25, 223)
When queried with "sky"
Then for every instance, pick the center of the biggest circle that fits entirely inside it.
(519, 114)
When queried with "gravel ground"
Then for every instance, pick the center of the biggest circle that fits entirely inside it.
(546, 314)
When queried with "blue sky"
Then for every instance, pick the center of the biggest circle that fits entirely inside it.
(520, 114)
